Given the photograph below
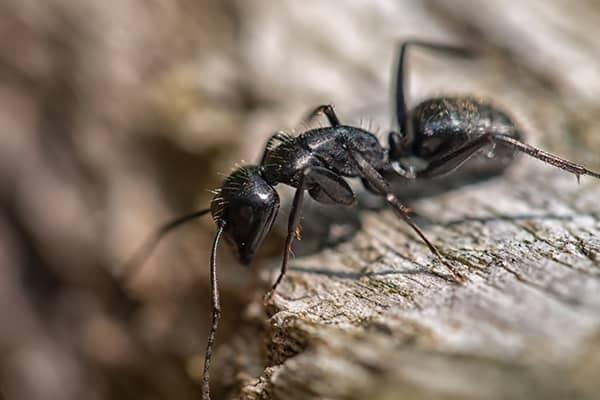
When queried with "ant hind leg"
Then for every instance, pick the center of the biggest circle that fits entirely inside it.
(566, 165)
(377, 182)
(400, 72)
(448, 162)
(451, 161)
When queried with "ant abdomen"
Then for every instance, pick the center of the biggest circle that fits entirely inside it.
(445, 124)
(447, 131)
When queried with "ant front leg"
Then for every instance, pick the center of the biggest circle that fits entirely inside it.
(326, 187)
(292, 233)
(377, 182)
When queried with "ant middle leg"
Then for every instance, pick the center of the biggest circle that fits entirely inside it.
(377, 182)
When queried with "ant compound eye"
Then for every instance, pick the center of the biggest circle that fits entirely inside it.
(247, 205)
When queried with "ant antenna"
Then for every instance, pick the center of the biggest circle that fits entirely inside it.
(216, 313)
(138, 259)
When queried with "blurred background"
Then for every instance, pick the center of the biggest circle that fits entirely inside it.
(116, 116)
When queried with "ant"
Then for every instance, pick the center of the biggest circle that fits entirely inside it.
(442, 133)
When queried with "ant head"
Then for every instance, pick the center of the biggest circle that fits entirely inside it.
(247, 205)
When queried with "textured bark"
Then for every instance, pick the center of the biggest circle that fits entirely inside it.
(118, 115)
(359, 314)
(367, 319)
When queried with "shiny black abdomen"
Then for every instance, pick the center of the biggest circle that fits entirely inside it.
(442, 125)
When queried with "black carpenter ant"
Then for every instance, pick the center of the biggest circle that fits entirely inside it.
(442, 133)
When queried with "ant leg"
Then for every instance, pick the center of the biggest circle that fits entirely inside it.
(544, 156)
(451, 161)
(377, 182)
(277, 137)
(216, 314)
(293, 232)
(141, 255)
(400, 93)
(325, 187)
(328, 111)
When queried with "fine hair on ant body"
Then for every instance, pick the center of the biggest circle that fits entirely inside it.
(442, 133)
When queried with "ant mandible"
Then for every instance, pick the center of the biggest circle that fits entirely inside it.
(441, 132)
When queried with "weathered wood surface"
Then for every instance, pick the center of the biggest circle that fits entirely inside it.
(364, 318)
(118, 115)
(367, 319)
